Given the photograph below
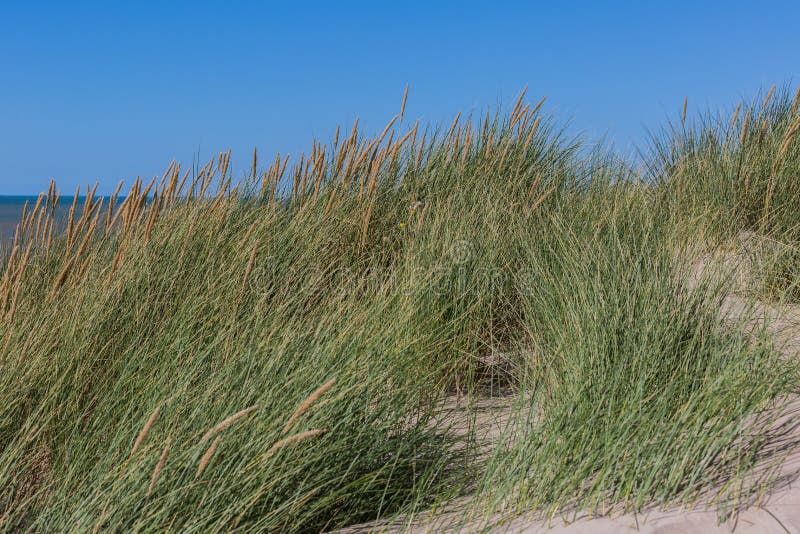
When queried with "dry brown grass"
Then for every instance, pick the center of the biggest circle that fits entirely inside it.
(209, 454)
(306, 404)
(159, 466)
(294, 439)
(228, 421)
(145, 430)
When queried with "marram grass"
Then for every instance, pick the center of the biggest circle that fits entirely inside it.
(275, 353)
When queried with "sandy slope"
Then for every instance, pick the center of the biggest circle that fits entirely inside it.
(778, 512)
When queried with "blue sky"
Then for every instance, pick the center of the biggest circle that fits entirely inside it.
(103, 91)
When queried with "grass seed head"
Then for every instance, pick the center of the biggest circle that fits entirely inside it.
(209, 454)
(306, 404)
(145, 430)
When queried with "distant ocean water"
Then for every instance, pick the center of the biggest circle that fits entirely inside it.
(11, 212)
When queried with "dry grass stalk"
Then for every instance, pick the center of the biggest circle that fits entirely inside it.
(763, 133)
(362, 180)
(489, 146)
(86, 217)
(111, 202)
(365, 223)
(267, 176)
(787, 140)
(151, 218)
(304, 179)
(524, 117)
(18, 278)
(294, 439)
(172, 189)
(50, 234)
(743, 136)
(402, 106)
(10, 263)
(453, 126)
(485, 128)
(542, 198)
(306, 404)
(366, 151)
(35, 212)
(455, 144)
(769, 95)
(529, 138)
(36, 233)
(179, 188)
(411, 133)
(465, 152)
(121, 210)
(683, 113)
(187, 236)
(296, 177)
(143, 197)
(51, 196)
(159, 466)
(339, 160)
(145, 430)
(198, 180)
(206, 459)
(84, 268)
(319, 172)
(224, 164)
(219, 427)
(280, 174)
(535, 184)
(331, 198)
(166, 178)
(388, 127)
(250, 263)
(12, 311)
(516, 110)
(118, 256)
(88, 204)
(247, 235)
(354, 132)
(505, 152)
(414, 131)
(736, 114)
(130, 206)
(62, 277)
(208, 178)
(538, 105)
(71, 218)
(796, 103)
(88, 235)
(785, 144)
(24, 216)
(421, 218)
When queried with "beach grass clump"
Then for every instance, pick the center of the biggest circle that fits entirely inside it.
(739, 171)
(639, 389)
(267, 355)
(283, 352)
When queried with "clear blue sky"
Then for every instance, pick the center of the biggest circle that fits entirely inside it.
(100, 91)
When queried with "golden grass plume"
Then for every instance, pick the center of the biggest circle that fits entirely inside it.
(306, 404)
(145, 429)
(228, 421)
(294, 439)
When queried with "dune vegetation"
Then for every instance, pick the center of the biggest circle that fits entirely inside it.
(303, 349)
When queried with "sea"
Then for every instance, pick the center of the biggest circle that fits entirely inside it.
(11, 208)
